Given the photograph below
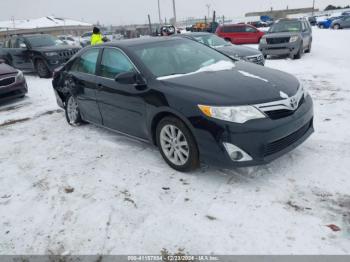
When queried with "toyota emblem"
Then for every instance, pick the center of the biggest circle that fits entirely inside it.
(293, 103)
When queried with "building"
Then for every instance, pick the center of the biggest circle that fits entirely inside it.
(277, 14)
(49, 25)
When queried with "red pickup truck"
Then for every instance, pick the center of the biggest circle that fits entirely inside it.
(240, 33)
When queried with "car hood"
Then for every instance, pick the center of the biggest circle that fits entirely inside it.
(6, 69)
(55, 48)
(245, 84)
(240, 51)
(283, 34)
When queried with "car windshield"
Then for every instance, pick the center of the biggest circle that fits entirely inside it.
(43, 41)
(286, 26)
(180, 57)
(211, 40)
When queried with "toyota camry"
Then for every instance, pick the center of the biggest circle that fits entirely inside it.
(192, 102)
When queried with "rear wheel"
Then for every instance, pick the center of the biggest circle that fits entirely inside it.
(177, 145)
(42, 69)
(336, 26)
(308, 50)
(72, 111)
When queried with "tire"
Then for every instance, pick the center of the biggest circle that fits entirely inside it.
(42, 69)
(308, 50)
(300, 52)
(321, 26)
(177, 145)
(72, 111)
(336, 27)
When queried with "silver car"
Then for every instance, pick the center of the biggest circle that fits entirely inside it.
(341, 23)
(290, 37)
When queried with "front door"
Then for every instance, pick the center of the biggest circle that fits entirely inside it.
(82, 82)
(18, 54)
(122, 106)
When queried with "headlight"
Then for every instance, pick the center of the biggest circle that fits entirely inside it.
(236, 114)
(293, 39)
(263, 41)
(304, 90)
(51, 54)
(19, 76)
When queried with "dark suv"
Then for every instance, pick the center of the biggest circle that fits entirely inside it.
(287, 37)
(41, 53)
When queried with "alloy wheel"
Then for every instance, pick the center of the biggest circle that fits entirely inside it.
(174, 145)
(72, 110)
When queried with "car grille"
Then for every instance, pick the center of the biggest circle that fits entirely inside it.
(68, 53)
(278, 114)
(258, 59)
(7, 81)
(279, 40)
(283, 143)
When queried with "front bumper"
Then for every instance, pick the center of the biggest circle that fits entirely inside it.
(280, 49)
(264, 139)
(15, 90)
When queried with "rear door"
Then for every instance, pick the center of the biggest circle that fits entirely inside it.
(346, 23)
(122, 105)
(306, 34)
(82, 83)
(18, 54)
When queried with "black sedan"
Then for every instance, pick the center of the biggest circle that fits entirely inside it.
(194, 103)
(242, 52)
(12, 83)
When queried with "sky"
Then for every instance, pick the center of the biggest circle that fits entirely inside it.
(118, 12)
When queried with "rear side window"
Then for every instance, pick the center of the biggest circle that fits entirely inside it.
(87, 62)
(233, 29)
(114, 62)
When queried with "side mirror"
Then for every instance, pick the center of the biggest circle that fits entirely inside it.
(130, 78)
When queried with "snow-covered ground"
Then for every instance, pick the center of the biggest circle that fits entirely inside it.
(85, 190)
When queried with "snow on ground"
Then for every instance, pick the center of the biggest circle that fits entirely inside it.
(85, 190)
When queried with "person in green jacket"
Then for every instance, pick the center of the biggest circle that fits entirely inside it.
(96, 37)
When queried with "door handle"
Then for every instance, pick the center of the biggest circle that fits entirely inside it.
(99, 85)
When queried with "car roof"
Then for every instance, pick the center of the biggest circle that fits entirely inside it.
(140, 41)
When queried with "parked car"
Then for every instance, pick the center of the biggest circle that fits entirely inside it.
(12, 83)
(312, 20)
(191, 101)
(69, 40)
(38, 52)
(341, 23)
(242, 52)
(287, 37)
(326, 24)
(240, 33)
(85, 39)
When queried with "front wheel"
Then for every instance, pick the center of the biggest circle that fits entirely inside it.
(42, 69)
(336, 27)
(72, 111)
(300, 52)
(177, 145)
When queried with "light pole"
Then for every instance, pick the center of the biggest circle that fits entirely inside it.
(174, 10)
(160, 17)
(313, 7)
(208, 6)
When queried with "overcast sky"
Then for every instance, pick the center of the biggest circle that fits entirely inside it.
(135, 11)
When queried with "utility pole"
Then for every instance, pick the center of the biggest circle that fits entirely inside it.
(313, 7)
(208, 6)
(160, 16)
(150, 25)
(174, 10)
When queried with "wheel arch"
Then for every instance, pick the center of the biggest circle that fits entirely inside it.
(167, 112)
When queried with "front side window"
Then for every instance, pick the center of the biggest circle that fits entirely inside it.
(249, 29)
(113, 63)
(87, 62)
